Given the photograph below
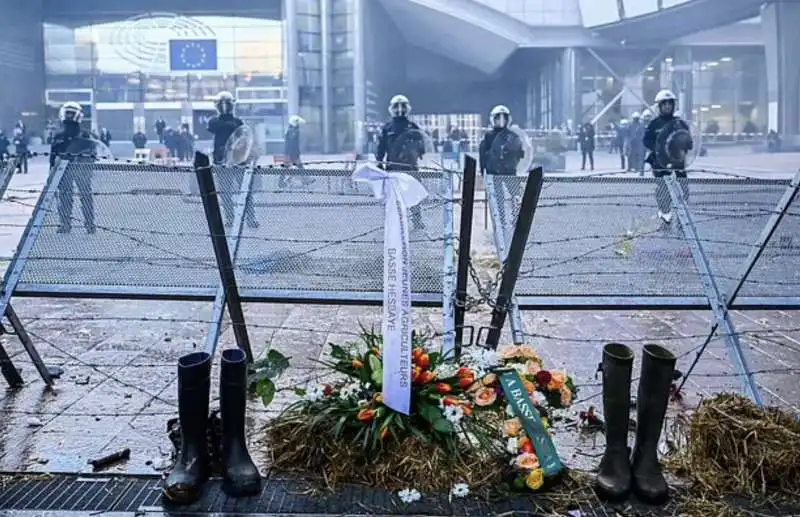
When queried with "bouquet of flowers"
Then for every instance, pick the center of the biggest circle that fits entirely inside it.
(456, 407)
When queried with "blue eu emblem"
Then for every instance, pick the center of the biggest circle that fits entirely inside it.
(193, 55)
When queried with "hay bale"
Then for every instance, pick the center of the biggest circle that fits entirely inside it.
(734, 447)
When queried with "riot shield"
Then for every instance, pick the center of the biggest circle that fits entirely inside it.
(511, 153)
(243, 147)
(673, 144)
(409, 149)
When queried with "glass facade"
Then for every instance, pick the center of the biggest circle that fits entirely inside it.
(128, 63)
(343, 73)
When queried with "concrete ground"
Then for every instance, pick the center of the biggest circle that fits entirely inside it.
(119, 386)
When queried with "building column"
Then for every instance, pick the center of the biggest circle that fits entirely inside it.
(359, 73)
(779, 21)
(291, 71)
(326, 19)
(571, 98)
(683, 80)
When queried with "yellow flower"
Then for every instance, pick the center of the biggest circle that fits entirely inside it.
(512, 427)
(485, 396)
(545, 422)
(532, 367)
(566, 396)
(535, 479)
(527, 461)
(557, 380)
(509, 352)
(528, 353)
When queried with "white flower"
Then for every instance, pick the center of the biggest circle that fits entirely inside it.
(453, 414)
(348, 391)
(446, 370)
(409, 495)
(538, 398)
(483, 360)
(316, 393)
(460, 490)
(512, 446)
(519, 367)
(367, 386)
(510, 411)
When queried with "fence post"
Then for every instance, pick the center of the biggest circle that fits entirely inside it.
(220, 300)
(513, 260)
(719, 307)
(208, 194)
(464, 247)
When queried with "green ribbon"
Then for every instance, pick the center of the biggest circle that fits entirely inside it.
(520, 402)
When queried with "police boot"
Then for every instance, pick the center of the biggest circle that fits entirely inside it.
(658, 367)
(191, 469)
(614, 477)
(240, 475)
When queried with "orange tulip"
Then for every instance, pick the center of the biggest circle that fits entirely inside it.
(378, 397)
(526, 446)
(424, 361)
(357, 364)
(466, 382)
(485, 397)
(426, 377)
(449, 401)
(467, 410)
(464, 372)
(384, 433)
(529, 386)
(366, 415)
(415, 373)
(416, 354)
(443, 388)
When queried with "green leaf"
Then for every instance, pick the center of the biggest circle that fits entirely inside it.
(271, 367)
(337, 431)
(266, 390)
(442, 426)
(376, 368)
(300, 392)
(430, 413)
(339, 353)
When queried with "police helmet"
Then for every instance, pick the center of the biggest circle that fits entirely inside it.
(399, 106)
(225, 103)
(636, 115)
(623, 122)
(501, 116)
(647, 114)
(296, 120)
(665, 100)
(70, 112)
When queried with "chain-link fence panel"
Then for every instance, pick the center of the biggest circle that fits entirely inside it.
(6, 173)
(316, 234)
(776, 273)
(729, 216)
(616, 237)
(115, 228)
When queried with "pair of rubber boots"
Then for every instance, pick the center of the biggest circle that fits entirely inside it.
(620, 472)
(192, 468)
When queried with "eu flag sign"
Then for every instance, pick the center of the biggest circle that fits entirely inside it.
(192, 54)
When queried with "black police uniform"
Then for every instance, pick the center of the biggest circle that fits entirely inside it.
(75, 145)
(657, 131)
(401, 145)
(222, 127)
(291, 151)
(500, 152)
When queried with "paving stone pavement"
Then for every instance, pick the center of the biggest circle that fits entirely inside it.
(119, 386)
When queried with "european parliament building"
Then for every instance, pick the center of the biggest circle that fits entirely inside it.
(337, 62)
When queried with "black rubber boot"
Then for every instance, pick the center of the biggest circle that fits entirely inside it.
(240, 475)
(658, 367)
(191, 469)
(614, 477)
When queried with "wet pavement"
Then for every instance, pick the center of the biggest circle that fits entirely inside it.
(119, 387)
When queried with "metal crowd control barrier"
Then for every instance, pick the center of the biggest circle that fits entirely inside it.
(306, 236)
(598, 244)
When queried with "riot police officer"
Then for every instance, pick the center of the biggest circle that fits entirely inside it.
(292, 151)
(635, 144)
(500, 152)
(668, 138)
(401, 145)
(222, 127)
(76, 145)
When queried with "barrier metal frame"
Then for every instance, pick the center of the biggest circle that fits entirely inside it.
(220, 295)
(715, 300)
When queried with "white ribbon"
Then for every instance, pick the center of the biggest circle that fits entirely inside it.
(400, 192)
